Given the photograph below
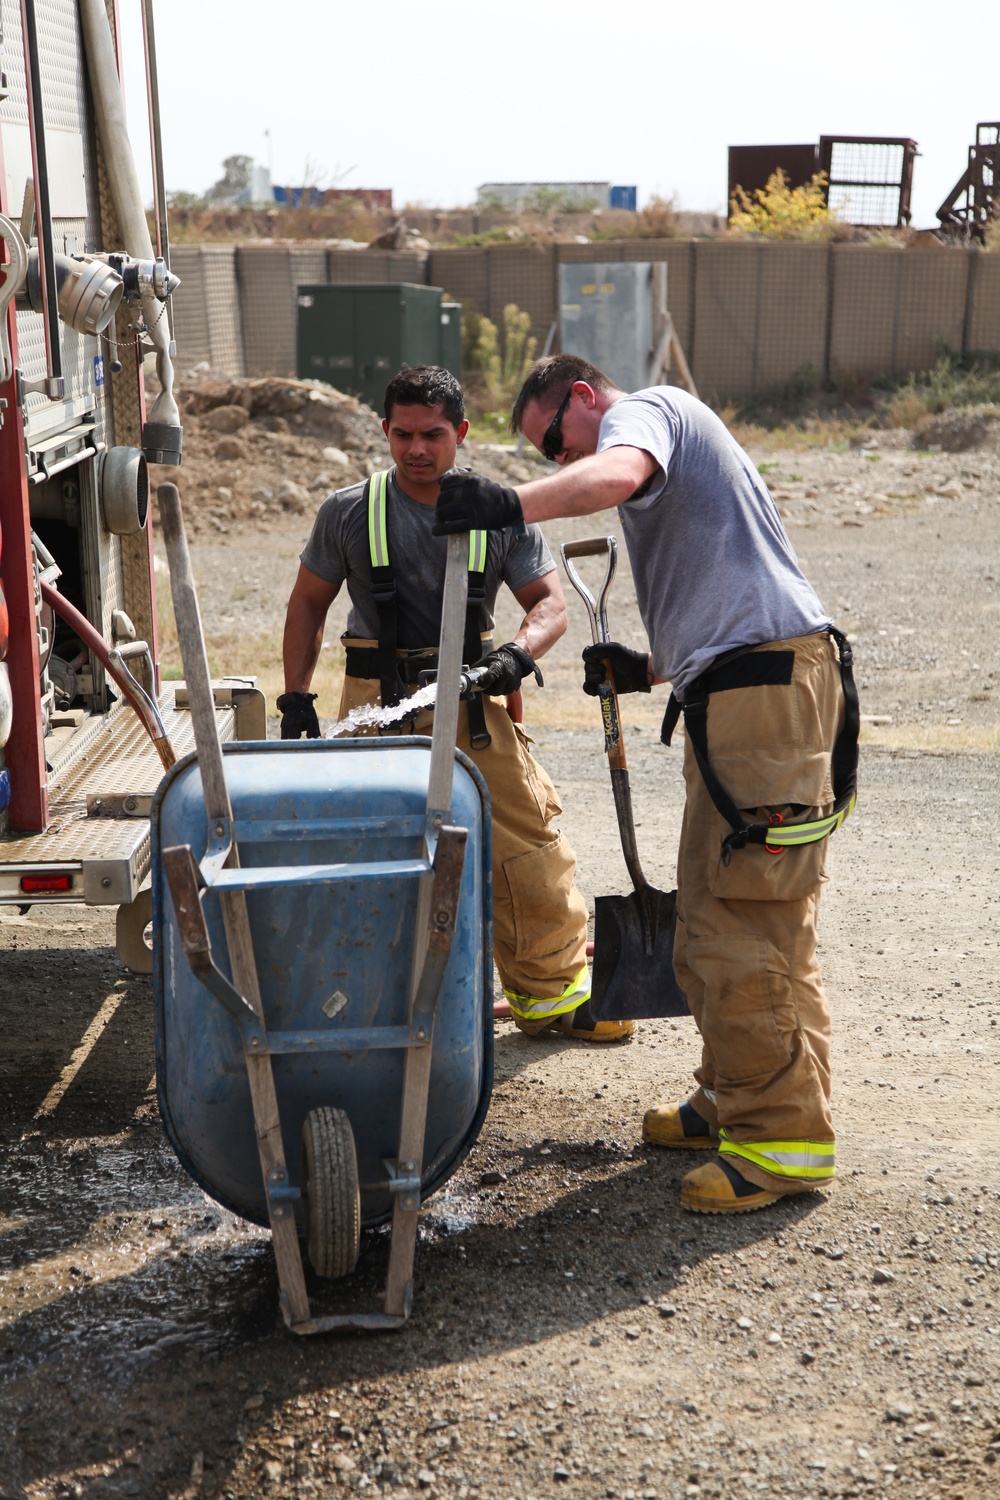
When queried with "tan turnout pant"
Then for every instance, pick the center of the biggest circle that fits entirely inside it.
(745, 950)
(539, 916)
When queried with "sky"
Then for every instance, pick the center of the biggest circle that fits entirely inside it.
(433, 101)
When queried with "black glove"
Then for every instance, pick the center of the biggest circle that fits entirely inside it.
(507, 667)
(468, 502)
(298, 717)
(630, 668)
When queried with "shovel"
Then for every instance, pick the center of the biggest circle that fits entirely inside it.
(633, 974)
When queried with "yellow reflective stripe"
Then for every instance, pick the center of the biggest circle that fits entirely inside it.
(790, 834)
(378, 541)
(531, 1009)
(477, 551)
(811, 1161)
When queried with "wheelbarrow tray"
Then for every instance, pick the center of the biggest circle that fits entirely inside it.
(334, 955)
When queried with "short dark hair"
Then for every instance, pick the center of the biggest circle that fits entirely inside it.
(548, 380)
(426, 385)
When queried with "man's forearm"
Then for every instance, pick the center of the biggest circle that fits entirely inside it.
(599, 482)
(301, 644)
(541, 627)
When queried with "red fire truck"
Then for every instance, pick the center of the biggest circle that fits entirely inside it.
(86, 728)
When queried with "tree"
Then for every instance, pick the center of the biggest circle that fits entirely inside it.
(237, 171)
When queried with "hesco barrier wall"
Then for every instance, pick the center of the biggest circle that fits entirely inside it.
(750, 315)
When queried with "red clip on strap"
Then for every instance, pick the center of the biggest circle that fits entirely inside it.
(774, 819)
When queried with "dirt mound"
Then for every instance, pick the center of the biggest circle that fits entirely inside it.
(959, 431)
(257, 450)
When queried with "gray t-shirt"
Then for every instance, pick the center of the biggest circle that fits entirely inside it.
(712, 564)
(338, 551)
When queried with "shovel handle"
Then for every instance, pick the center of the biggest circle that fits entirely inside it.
(597, 608)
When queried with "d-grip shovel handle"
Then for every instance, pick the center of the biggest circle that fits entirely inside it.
(597, 609)
(607, 694)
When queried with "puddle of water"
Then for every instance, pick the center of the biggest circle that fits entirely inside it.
(370, 716)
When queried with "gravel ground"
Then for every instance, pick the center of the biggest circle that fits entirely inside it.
(573, 1332)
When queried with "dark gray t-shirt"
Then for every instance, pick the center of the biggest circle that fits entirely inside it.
(712, 564)
(338, 551)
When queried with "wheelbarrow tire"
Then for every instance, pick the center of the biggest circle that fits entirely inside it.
(332, 1200)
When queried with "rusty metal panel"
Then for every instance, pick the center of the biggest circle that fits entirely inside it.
(751, 166)
(869, 178)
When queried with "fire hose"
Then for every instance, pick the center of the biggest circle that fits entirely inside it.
(114, 660)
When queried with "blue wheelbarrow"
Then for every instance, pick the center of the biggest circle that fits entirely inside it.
(322, 970)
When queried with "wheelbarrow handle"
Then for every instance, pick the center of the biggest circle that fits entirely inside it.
(597, 609)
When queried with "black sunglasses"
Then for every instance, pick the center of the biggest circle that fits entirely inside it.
(552, 442)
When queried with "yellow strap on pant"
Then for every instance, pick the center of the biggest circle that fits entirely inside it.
(531, 1009)
(806, 1161)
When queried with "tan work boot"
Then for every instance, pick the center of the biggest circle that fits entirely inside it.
(579, 1024)
(717, 1188)
(679, 1126)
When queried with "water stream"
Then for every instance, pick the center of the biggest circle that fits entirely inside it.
(370, 716)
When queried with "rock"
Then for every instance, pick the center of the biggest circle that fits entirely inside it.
(273, 1470)
(882, 1276)
(224, 492)
(227, 419)
(230, 448)
(344, 1463)
(253, 1403)
(492, 1179)
(898, 1413)
(276, 425)
(322, 482)
(336, 456)
(263, 494)
(807, 1357)
(633, 1331)
(292, 496)
(953, 490)
(745, 1323)
(560, 1473)
(425, 1478)
(667, 1310)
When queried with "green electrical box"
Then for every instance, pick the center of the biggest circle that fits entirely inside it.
(357, 337)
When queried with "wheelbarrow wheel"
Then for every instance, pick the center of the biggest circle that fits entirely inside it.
(332, 1200)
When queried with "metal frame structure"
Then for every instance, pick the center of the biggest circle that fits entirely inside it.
(974, 202)
(870, 170)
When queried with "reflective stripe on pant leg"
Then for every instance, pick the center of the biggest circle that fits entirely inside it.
(529, 1009)
(805, 1161)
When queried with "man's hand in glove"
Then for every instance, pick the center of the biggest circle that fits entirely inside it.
(468, 502)
(507, 666)
(629, 668)
(298, 717)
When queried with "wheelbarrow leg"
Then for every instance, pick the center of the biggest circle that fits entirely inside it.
(437, 912)
(291, 1277)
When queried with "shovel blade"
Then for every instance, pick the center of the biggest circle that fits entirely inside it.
(633, 974)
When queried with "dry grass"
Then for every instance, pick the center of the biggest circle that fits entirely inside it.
(236, 653)
(933, 738)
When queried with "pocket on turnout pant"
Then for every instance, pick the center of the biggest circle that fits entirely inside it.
(549, 913)
(747, 1009)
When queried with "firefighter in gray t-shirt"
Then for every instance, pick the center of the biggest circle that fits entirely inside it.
(377, 538)
(771, 718)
